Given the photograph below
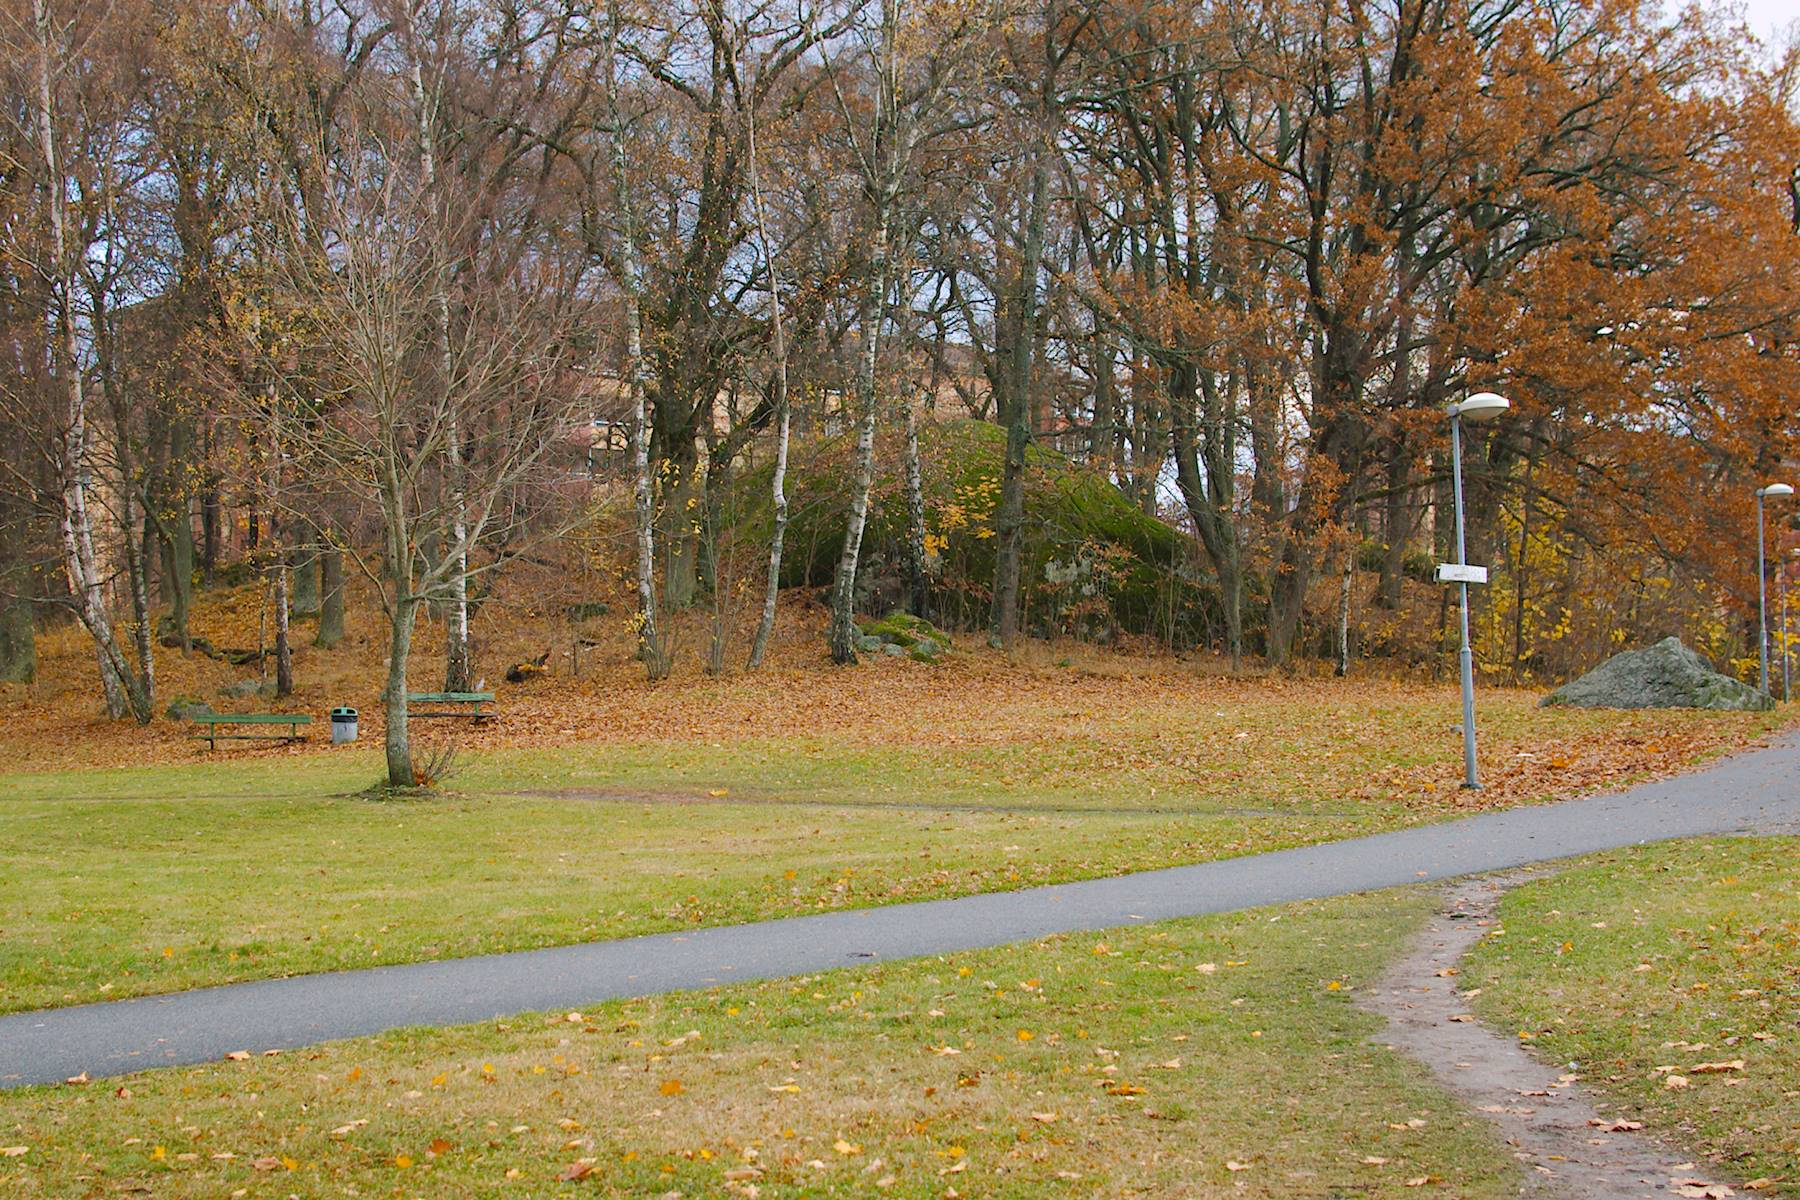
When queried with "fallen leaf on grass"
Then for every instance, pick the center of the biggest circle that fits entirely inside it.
(437, 1146)
(1675, 1082)
(1418, 1181)
(13, 1151)
(1375, 1160)
(1714, 1068)
(671, 1087)
(1233, 1165)
(576, 1171)
(77, 1080)
(238, 1055)
(1043, 1118)
(846, 1148)
(266, 1163)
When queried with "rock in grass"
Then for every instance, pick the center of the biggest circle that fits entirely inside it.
(902, 634)
(1666, 675)
(905, 630)
(186, 708)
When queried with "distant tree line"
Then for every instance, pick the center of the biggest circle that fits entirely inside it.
(337, 285)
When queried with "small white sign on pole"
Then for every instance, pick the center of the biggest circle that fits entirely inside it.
(1457, 573)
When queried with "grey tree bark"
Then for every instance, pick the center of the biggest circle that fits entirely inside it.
(117, 685)
(765, 625)
(331, 596)
(871, 314)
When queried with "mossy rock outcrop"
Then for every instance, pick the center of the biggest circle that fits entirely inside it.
(915, 637)
(1666, 675)
(1094, 564)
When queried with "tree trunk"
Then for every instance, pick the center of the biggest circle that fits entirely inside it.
(305, 576)
(842, 633)
(1009, 520)
(1396, 527)
(143, 624)
(393, 695)
(1343, 621)
(18, 632)
(1208, 501)
(178, 576)
(657, 662)
(211, 521)
(284, 657)
(918, 582)
(765, 625)
(331, 595)
(76, 526)
(1287, 600)
(778, 534)
(457, 667)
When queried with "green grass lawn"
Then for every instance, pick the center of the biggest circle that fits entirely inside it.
(1671, 974)
(123, 882)
(106, 899)
(1214, 1056)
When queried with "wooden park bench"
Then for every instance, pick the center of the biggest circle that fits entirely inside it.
(212, 721)
(470, 706)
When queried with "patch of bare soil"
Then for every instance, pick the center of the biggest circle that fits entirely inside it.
(1570, 1148)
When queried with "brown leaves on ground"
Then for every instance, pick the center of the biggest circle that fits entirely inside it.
(1133, 726)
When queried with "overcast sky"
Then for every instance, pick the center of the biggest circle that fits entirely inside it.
(1769, 17)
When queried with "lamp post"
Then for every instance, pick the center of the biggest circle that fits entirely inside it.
(1786, 654)
(1482, 407)
(1762, 579)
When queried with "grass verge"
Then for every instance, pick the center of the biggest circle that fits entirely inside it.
(123, 882)
(1218, 1056)
(1671, 975)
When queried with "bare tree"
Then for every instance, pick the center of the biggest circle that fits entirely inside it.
(378, 436)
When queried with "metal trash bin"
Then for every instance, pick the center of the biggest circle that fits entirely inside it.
(343, 726)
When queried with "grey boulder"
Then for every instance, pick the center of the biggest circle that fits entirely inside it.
(1666, 675)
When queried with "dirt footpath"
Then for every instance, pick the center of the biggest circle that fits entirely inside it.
(1569, 1148)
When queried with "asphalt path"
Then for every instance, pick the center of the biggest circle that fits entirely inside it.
(1753, 792)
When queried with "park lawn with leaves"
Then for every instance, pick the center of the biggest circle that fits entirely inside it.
(1221, 1055)
(1671, 975)
(715, 801)
(107, 899)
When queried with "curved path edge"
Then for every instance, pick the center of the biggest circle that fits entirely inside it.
(1757, 791)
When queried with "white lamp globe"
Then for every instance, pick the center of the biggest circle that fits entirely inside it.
(1482, 406)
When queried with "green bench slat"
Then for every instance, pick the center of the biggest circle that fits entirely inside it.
(250, 719)
(448, 697)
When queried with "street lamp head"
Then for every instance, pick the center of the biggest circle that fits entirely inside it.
(1482, 406)
(1776, 489)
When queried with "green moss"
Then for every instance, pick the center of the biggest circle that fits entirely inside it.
(1094, 563)
(904, 629)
